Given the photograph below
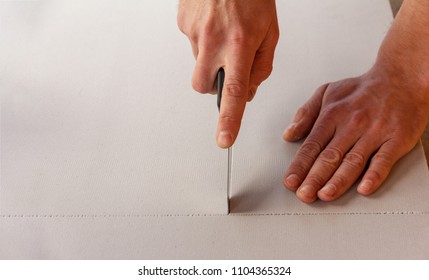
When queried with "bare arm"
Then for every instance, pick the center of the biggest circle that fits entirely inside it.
(405, 50)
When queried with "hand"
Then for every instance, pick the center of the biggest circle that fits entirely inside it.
(364, 125)
(376, 118)
(238, 35)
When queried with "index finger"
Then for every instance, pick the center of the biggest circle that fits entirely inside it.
(234, 96)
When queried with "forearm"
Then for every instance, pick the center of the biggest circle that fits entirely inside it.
(405, 50)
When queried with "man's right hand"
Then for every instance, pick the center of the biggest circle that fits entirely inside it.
(239, 36)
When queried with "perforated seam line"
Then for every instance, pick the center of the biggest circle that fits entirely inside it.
(211, 215)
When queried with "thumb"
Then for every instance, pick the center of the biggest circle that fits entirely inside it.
(305, 117)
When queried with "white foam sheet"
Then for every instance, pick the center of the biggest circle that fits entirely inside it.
(98, 115)
(107, 153)
(372, 236)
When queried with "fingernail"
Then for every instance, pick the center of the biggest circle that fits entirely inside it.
(292, 181)
(306, 190)
(224, 139)
(329, 190)
(365, 186)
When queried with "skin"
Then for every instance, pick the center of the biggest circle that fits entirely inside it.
(239, 36)
(355, 127)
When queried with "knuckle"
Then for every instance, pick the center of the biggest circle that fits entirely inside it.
(316, 180)
(358, 119)
(331, 156)
(379, 124)
(324, 87)
(321, 90)
(200, 86)
(264, 71)
(355, 159)
(342, 86)
(239, 38)
(190, 31)
(299, 168)
(235, 88)
(340, 181)
(381, 163)
(383, 159)
(331, 111)
(310, 149)
(241, 41)
(322, 129)
(251, 94)
(192, 36)
(228, 119)
(208, 28)
(375, 175)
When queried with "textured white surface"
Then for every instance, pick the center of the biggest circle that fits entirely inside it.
(373, 236)
(98, 116)
(107, 153)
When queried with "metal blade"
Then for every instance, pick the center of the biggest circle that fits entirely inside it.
(228, 182)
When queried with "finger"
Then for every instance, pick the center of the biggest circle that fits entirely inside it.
(326, 164)
(252, 92)
(351, 168)
(380, 166)
(234, 95)
(332, 156)
(305, 117)
(263, 62)
(261, 69)
(320, 136)
(195, 49)
(203, 78)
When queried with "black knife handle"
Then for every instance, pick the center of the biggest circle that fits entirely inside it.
(220, 79)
